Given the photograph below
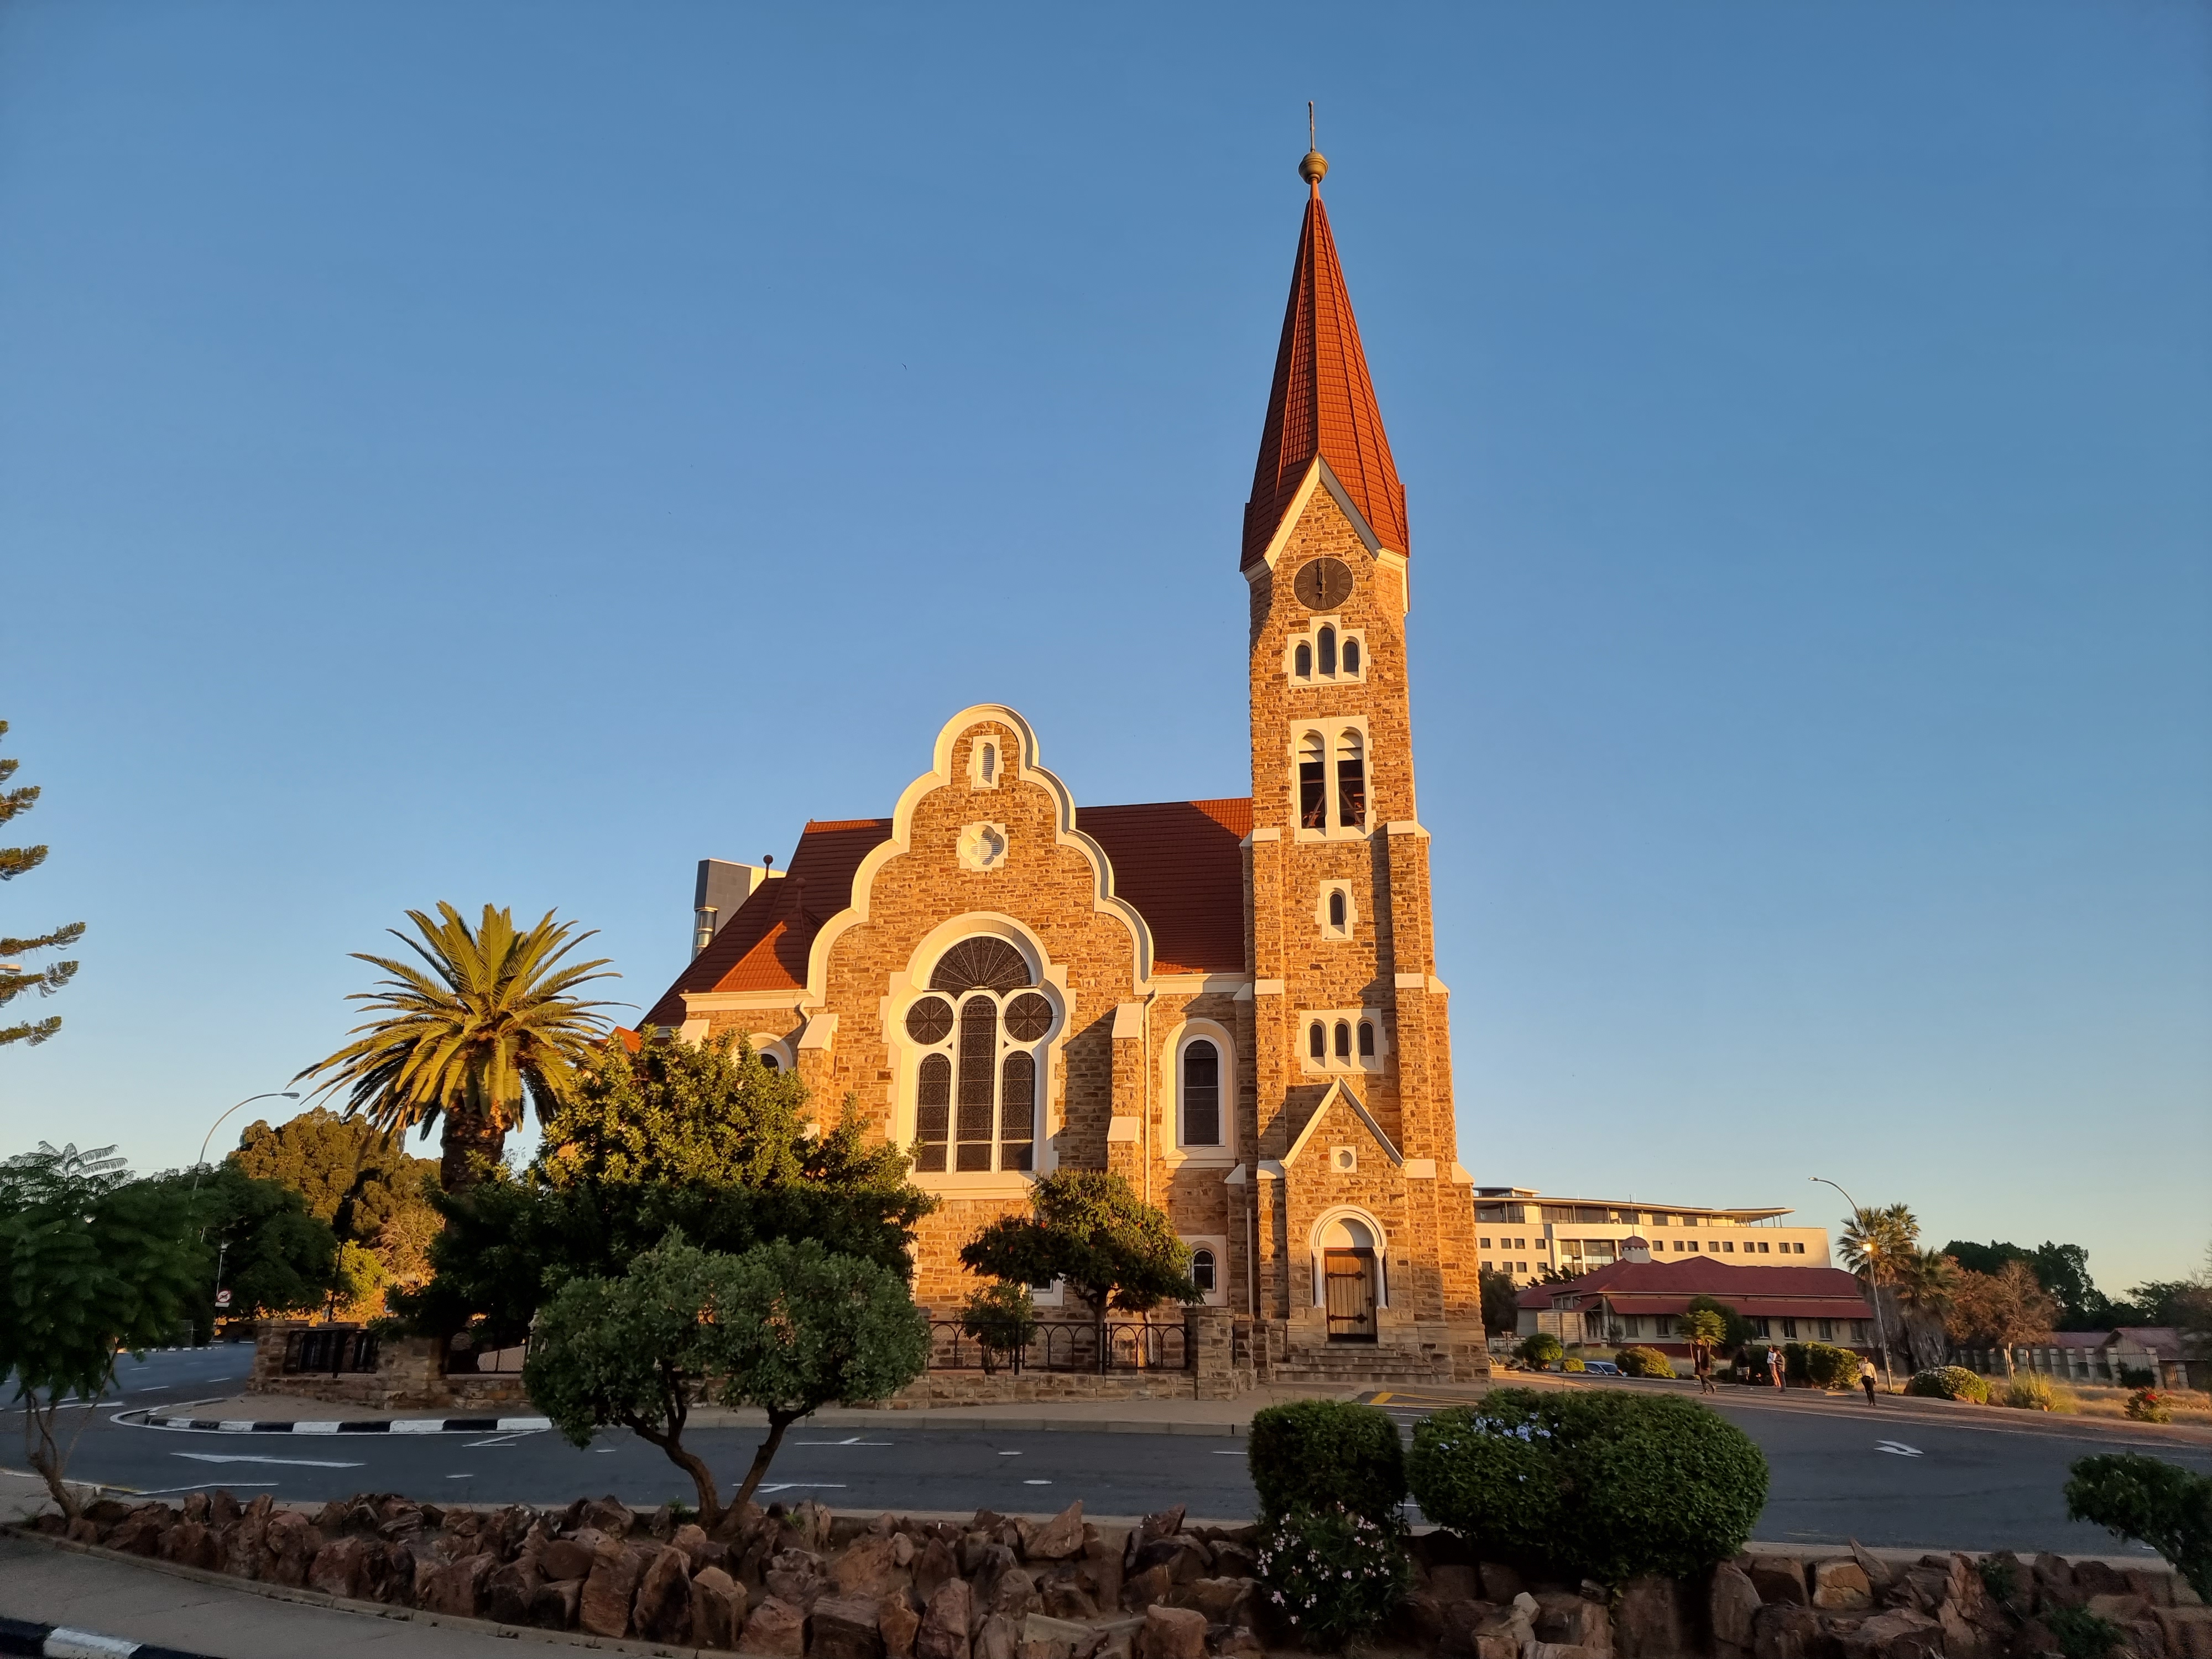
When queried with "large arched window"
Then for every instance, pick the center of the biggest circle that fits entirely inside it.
(975, 1092)
(1201, 1094)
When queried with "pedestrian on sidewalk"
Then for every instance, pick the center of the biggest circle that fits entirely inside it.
(1866, 1377)
(1774, 1366)
(1701, 1362)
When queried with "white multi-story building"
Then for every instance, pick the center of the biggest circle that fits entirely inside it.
(1522, 1232)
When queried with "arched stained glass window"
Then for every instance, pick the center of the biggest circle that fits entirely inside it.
(1201, 1094)
(1017, 1113)
(1316, 1042)
(982, 962)
(1367, 1039)
(932, 1104)
(1327, 643)
(1343, 1040)
(1302, 659)
(979, 1062)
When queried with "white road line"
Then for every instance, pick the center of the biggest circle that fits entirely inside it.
(803, 1486)
(855, 1440)
(228, 1486)
(1897, 1449)
(1013, 1454)
(1229, 1454)
(1037, 1483)
(498, 1440)
(465, 1474)
(240, 1457)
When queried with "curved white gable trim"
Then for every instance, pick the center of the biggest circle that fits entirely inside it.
(939, 776)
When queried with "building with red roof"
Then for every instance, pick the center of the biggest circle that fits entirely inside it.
(1232, 1003)
(1639, 1300)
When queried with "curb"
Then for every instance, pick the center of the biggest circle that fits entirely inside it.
(140, 1419)
(60, 1642)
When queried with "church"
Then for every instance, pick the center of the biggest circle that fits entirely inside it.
(1232, 1004)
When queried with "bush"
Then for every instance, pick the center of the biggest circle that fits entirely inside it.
(1829, 1367)
(2152, 1501)
(1541, 1349)
(1311, 1454)
(2149, 1406)
(1329, 1574)
(1949, 1383)
(1607, 1486)
(2030, 1392)
(2081, 1634)
(1643, 1362)
(1573, 1364)
(1000, 1318)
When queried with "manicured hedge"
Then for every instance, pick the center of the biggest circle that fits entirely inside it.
(1643, 1362)
(1310, 1454)
(1599, 1485)
(1817, 1364)
(1949, 1383)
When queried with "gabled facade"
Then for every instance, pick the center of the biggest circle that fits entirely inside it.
(1232, 1003)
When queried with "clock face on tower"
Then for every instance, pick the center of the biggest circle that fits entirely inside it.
(1323, 584)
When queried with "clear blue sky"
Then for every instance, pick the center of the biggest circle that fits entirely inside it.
(512, 452)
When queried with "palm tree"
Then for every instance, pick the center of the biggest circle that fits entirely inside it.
(493, 1019)
(1925, 1285)
(1877, 1246)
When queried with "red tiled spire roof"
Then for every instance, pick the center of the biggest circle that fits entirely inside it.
(1322, 402)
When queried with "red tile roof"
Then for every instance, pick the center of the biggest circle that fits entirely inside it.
(1181, 863)
(1322, 402)
(1807, 1292)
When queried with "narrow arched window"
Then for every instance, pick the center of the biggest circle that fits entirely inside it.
(1302, 659)
(1018, 1112)
(1336, 908)
(1352, 656)
(1313, 783)
(1201, 1094)
(1367, 1039)
(1351, 781)
(979, 1062)
(1202, 1269)
(989, 766)
(1316, 1042)
(932, 1104)
(1328, 638)
(1343, 1040)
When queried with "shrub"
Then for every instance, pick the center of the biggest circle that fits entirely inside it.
(2032, 1391)
(1000, 1317)
(1643, 1362)
(2081, 1634)
(1609, 1486)
(2149, 1406)
(1573, 1364)
(1949, 1383)
(1541, 1349)
(1752, 1361)
(1310, 1454)
(2155, 1502)
(1829, 1367)
(2000, 1577)
(1329, 1574)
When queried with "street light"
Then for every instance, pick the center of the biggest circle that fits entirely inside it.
(1881, 1333)
(194, 1202)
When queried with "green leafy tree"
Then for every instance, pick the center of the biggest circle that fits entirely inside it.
(274, 1256)
(2157, 1503)
(1090, 1230)
(1000, 1318)
(697, 1136)
(1542, 1348)
(91, 1263)
(1706, 1325)
(1736, 1331)
(15, 978)
(358, 1179)
(1501, 1303)
(488, 1020)
(2063, 1270)
(786, 1327)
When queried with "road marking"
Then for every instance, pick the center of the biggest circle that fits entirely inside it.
(498, 1440)
(1897, 1449)
(228, 1486)
(465, 1474)
(1380, 1398)
(240, 1457)
(1229, 1454)
(855, 1440)
(803, 1486)
(1037, 1483)
(1009, 1453)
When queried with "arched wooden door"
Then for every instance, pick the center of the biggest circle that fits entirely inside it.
(1349, 1274)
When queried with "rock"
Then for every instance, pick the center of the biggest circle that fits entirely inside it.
(692, 1540)
(2093, 1578)
(1165, 1525)
(1842, 1586)
(662, 1611)
(1420, 1621)
(997, 1638)
(1232, 1560)
(2054, 1583)
(242, 1546)
(1063, 1598)
(1650, 1621)
(611, 1588)
(457, 1587)
(1482, 1630)
(798, 1577)
(193, 1544)
(1731, 1605)
(897, 1624)
(1044, 1647)
(1877, 1575)
(1500, 1583)
(2156, 1588)
(510, 1591)
(868, 1567)
(1566, 1619)
(945, 1621)
(570, 1557)
(222, 1511)
(774, 1628)
(1222, 1601)
(1899, 1633)
(140, 1531)
(555, 1606)
(1784, 1630)
(1059, 1539)
(1141, 1589)
(718, 1608)
(1779, 1579)
(936, 1565)
(1185, 1557)
(1014, 1595)
(1171, 1632)
(289, 1548)
(82, 1531)
(903, 1549)
(609, 1515)
(1448, 1580)
(1240, 1643)
(844, 1627)
(347, 1567)
(2187, 1631)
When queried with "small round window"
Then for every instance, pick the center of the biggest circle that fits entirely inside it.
(929, 1020)
(1028, 1016)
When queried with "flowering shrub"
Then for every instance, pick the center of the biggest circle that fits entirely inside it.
(2149, 1406)
(1949, 1383)
(1328, 1575)
(1603, 1484)
(1643, 1362)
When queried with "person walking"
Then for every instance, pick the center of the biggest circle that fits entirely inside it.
(1701, 1362)
(1866, 1377)
(1774, 1366)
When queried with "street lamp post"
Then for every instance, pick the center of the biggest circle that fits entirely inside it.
(1880, 1331)
(200, 1164)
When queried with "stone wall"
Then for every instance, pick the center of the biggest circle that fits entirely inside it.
(408, 1377)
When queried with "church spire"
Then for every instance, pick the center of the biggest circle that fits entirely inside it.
(1321, 404)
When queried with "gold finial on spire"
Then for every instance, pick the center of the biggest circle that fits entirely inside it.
(1314, 167)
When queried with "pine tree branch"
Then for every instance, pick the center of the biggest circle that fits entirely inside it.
(13, 801)
(13, 984)
(59, 938)
(32, 1034)
(15, 860)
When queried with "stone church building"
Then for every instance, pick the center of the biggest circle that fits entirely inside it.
(1231, 1003)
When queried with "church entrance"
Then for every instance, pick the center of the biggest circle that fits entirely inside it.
(1348, 1281)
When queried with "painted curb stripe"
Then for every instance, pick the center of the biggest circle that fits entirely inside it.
(59, 1642)
(383, 1426)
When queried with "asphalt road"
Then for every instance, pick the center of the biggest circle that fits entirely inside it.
(1886, 1475)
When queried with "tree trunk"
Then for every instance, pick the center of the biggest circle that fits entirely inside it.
(473, 1146)
(778, 1421)
(45, 1457)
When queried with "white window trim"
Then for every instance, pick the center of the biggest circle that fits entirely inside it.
(764, 1044)
(1219, 1243)
(1321, 923)
(1329, 1064)
(1332, 732)
(1192, 1028)
(1310, 638)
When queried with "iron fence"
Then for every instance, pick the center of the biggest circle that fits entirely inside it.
(332, 1348)
(1064, 1344)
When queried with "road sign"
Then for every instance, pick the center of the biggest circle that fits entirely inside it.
(222, 1298)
